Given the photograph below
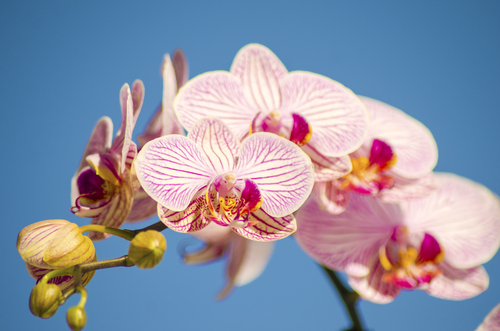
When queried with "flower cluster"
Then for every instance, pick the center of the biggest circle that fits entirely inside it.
(243, 158)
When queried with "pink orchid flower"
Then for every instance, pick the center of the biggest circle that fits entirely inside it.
(103, 187)
(491, 321)
(247, 258)
(253, 187)
(394, 163)
(436, 244)
(175, 73)
(259, 94)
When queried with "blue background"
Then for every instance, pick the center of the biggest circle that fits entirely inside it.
(61, 69)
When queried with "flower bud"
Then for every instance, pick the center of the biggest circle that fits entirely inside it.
(54, 244)
(147, 248)
(76, 318)
(45, 299)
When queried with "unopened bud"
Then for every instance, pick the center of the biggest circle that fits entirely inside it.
(76, 318)
(147, 248)
(45, 299)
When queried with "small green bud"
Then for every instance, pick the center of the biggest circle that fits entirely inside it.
(76, 318)
(147, 248)
(45, 299)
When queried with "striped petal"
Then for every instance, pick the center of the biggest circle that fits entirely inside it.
(216, 93)
(463, 216)
(409, 189)
(260, 72)
(327, 168)
(217, 142)
(373, 288)
(348, 241)
(137, 92)
(411, 141)
(267, 227)
(171, 169)
(491, 321)
(338, 118)
(170, 124)
(330, 197)
(181, 67)
(123, 140)
(282, 171)
(458, 284)
(190, 219)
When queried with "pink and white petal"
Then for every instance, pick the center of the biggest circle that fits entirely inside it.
(458, 284)
(137, 99)
(338, 118)
(463, 216)
(373, 288)
(125, 139)
(190, 219)
(411, 141)
(181, 67)
(118, 208)
(153, 129)
(267, 227)
(409, 189)
(327, 168)
(216, 93)
(260, 72)
(283, 172)
(239, 247)
(217, 142)
(255, 261)
(348, 241)
(171, 169)
(491, 321)
(143, 207)
(170, 124)
(214, 233)
(330, 197)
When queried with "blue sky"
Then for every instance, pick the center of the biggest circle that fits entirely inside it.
(64, 62)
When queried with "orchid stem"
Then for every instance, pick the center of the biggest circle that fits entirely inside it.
(158, 226)
(91, 266)
(349, 297)
(125, 234)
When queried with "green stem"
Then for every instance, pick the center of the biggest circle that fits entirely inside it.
(56, 273)
(118, 262)
(125, 234)
(83, 296)
(349, 297)
(158, 226)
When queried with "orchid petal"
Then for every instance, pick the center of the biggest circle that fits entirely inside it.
(338, 118)
(137, 98)
(373, 288)
(353, 237)
(209, 253)
(216, 93)
(213, 233)
(330, 197)
(100, 141)
(238, 252)
(171, 169)
(117, 209)
(411, 141)
(327, 168)
(267, 227)
(181, 67)
(153, 129)
(170, 125)
(260, 72)
(255, 261)
(409, 189)
(458, 284)
(123, 139)
(217, 142)
(463, 216)
(106, 166)
(190, 219)
(143, 207)
(491, 321)
(282, 171)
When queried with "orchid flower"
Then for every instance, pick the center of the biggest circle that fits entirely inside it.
(55, 244)
(103, 187)
(253, 187)
(394, 163)
(247, 258)
(491, 321)
(436, 244)
(259, 94)
(175, 73)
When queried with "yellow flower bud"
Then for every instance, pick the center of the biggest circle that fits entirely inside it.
(76, 318)
(45, 299)
(147, 248)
